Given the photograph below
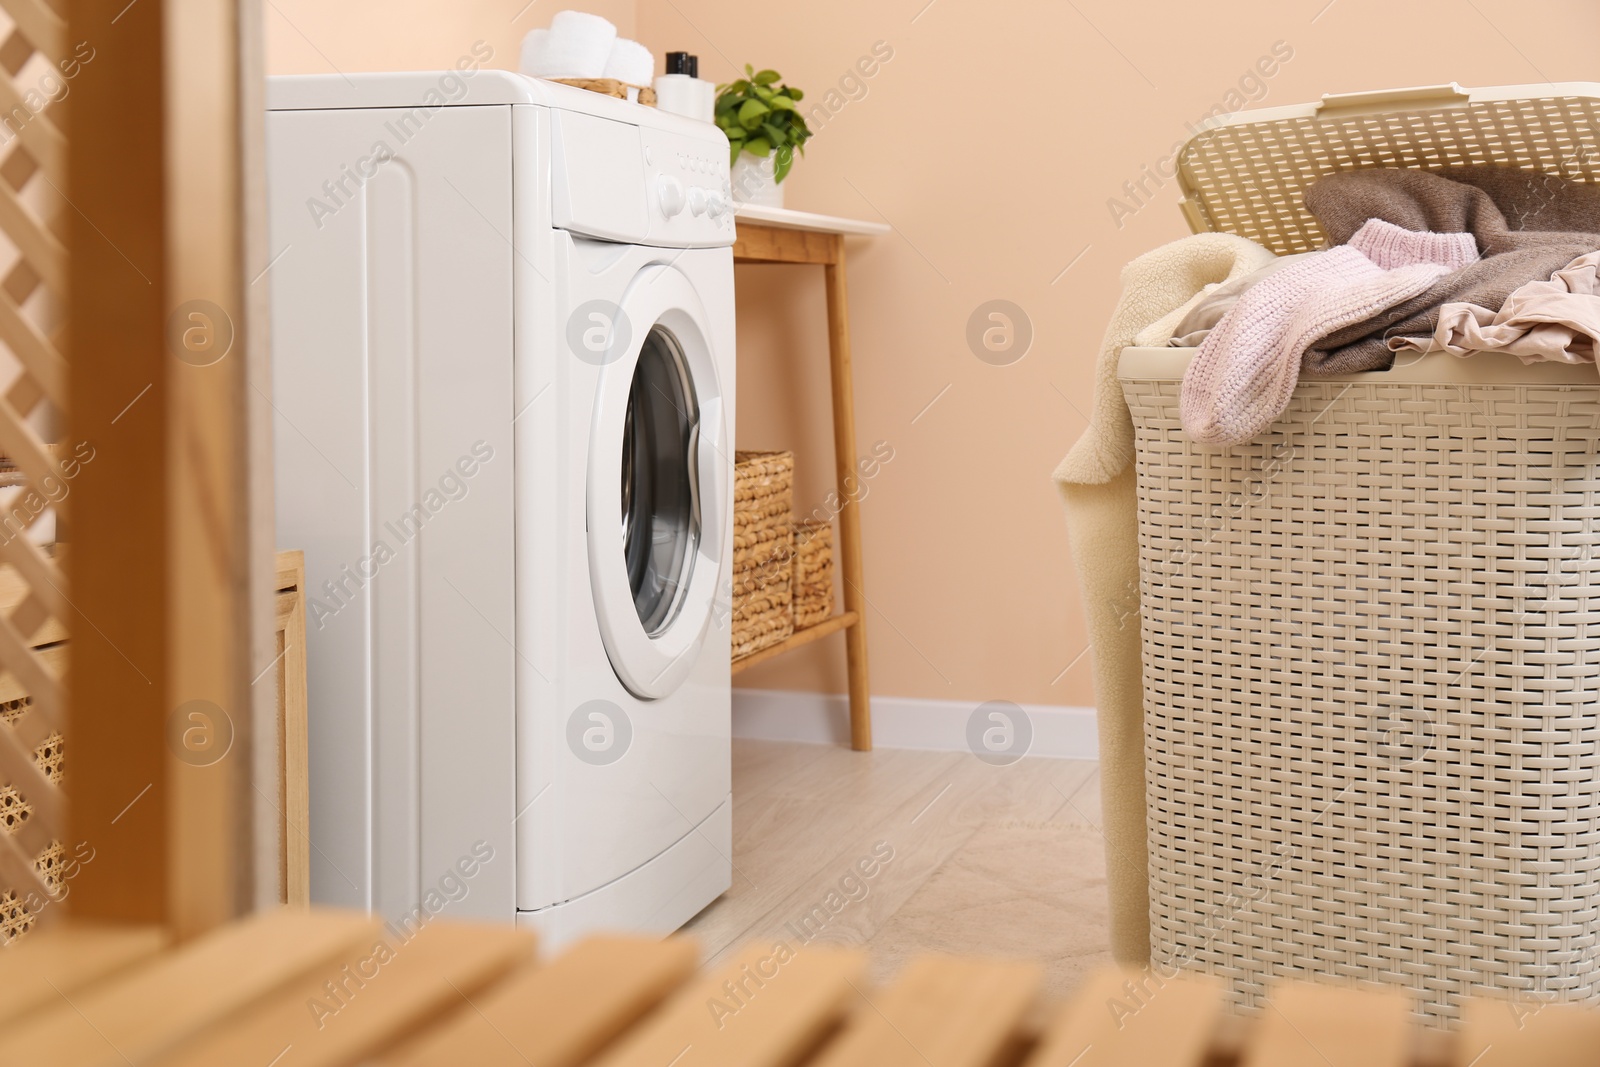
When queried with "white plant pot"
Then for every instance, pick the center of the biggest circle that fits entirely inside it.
(752, 182)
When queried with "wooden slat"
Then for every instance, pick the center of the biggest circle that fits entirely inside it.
(32, 728)
(34, 351)
(211, 589)
(841, 383)
(123, 686)
(560, 1015)
(39, 135)
(46, 689)
(24, 393)
(939, 1013)
(822, 629)
(384, 990)
(47, 147)
(14, 589)
(44, 252)
(764, 1008)
(289, 568)
(20, 770)
(132, 1019)
(17, 872)
(39, 968)
(294, 778)
(43, 28)
(1523, 1031)
(1134, 1019)
(29, 616)
(15, 52)
(42, 578)
(1307, 1025)
(19, 442)
(754, 243)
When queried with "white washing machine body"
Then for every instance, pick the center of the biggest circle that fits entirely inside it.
(524, 654)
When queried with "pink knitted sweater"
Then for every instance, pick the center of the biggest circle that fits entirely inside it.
(1242, 377)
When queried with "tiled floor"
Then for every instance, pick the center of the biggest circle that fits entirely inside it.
(963, 857)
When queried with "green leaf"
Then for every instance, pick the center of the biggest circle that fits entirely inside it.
(776, 136)
(758, 146)
(794, 94)
(735, 133)
(734, 148)
(779, 102)
(780, 167)
(767, 77)
(750, 113)
(763, 93)
(749, 70)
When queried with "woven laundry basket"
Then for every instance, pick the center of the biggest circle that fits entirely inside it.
(763, 597)
(813, 572)
(1371, 638)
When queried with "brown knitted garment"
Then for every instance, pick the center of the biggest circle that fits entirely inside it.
(1527, 225)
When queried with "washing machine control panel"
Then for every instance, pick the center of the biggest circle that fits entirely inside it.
(640, 184)
(690, 199)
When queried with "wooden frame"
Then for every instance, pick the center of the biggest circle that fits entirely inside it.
(294, 792)
(759, 243)
(164, 566)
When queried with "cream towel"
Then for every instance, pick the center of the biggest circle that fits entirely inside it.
(1096, 482)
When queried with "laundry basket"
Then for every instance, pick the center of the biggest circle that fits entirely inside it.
(1371, 638)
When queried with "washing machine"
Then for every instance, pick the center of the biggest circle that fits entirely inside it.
(503, 377)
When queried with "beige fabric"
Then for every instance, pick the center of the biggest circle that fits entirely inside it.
(1556, 321)
(1096, 481)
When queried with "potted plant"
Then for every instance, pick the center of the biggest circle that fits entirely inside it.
(764, 129)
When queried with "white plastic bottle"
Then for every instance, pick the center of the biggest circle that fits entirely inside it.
(681, 91)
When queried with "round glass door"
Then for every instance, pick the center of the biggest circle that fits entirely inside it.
(660, 468)
(660, 512)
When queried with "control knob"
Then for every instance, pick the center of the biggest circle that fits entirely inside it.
(669, 191)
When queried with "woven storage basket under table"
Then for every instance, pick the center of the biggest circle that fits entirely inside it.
(813, 572)
(1371, 638)
(763, 603)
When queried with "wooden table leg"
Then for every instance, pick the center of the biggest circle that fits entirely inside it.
(848, 480)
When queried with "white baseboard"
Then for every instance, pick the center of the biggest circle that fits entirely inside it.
(1059, 731)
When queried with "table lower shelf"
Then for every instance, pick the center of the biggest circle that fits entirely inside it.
(842, 621)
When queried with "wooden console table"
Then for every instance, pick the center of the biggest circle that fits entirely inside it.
(777, 235)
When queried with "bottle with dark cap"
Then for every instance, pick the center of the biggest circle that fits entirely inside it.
(681, 91)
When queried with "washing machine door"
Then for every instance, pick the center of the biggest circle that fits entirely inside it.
(659, 468)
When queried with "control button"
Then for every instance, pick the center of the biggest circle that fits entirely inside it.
(670, 192)
(697, 200)
(715, 205)
(649, 157)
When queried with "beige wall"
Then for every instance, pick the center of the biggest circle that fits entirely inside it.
(991, 141)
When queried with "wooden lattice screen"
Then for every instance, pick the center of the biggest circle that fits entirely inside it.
(35, 76)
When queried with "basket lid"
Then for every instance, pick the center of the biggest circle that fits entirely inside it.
(1247, 173)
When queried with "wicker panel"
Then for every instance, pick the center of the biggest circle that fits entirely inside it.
(1372, 690)
(35, 599)
(1248, 178)
(763, 497)
(813, 572)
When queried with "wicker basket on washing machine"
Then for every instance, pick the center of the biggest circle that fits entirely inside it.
(1371, 639)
